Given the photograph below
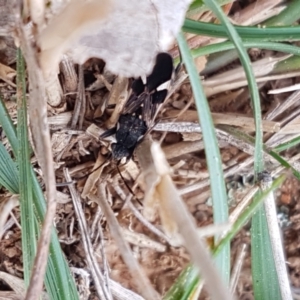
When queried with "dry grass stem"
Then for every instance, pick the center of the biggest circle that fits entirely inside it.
(242, 204)
(227, 172)
(293, 161)
(181, 148)
(102, 287)
(292, 88)
(15, 283)
(291, 100)
(172, 203)
(69, 74)
(246, 123)
(80, 104)
(213, 230)
(219, 88)
(145, 222)
(141, 240)
(139, 277)
(258, 12)
(261, 67)
(118, 95)
(150, 178)
(237, 267)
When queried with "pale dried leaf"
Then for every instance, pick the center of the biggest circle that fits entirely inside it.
(260, 67)
(200, 63)
(7, 74)
(118, 95)
(15, 283)
(89, 187)
(69, 73)
(258, 11)
(142, 240)
(76, 17)
(7, 295)
(5, 208)
(151, 179)
(127, 35)
(176, 211)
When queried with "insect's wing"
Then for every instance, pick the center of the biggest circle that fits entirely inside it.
(162, 71)
(147, 110)
(134, 103)
(151, 106)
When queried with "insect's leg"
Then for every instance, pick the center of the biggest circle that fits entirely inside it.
(138, 86)
(162, 71)
(128, 187)
(101, 165)
(159, 97)
(108, 132)
(179, 66)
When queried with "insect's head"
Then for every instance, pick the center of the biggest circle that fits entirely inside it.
(120, 152)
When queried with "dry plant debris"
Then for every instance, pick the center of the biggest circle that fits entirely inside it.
(152, 240)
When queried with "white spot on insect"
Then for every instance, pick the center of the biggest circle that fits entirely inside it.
(164, 86)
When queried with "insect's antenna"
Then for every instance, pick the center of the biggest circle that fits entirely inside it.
(85, 176)
(128, 187)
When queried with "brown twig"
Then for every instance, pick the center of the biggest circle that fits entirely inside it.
(142, 282)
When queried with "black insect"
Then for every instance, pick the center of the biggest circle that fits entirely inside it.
(140, 109)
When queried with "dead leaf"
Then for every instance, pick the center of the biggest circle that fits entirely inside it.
(5, 208)
(7, 74)
(15, 283)
(127, 34)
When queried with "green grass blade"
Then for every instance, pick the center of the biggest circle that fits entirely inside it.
(29, 242)
(8, 127)
(251, 210)
(246, 63)
(9, 177)
(264, 276)
(58, 281)
(213, 158)
(287, 145)
(188, 280)
(259, 232)
(184, 285)
(215, 48)
(198, 6)
(270, 34)
(288, 65)
(288, 16)
(250, 140)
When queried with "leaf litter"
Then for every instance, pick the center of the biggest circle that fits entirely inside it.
(78, 150)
